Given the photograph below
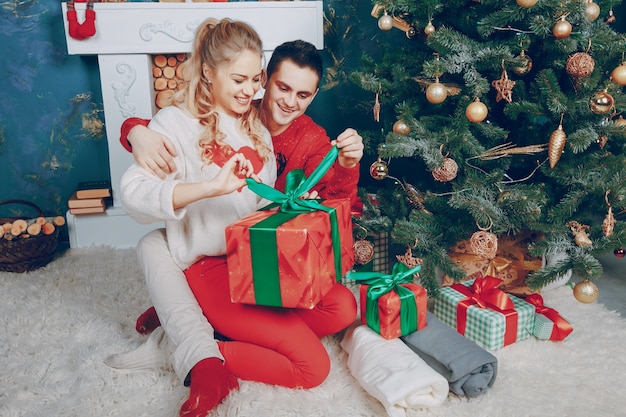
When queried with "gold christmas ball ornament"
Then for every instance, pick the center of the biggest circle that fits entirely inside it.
(526, 3)
(429, 29)
(592, 11)
(476, 111)
(586, 292)
(379, 170)
(401, 128)
(385, 22)
(528, 65)
(618, 76)
(580, 65)
(556, 145)
(601, 103)
(562, 28)
(436, 93)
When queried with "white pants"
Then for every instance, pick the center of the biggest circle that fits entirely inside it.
(178, 310)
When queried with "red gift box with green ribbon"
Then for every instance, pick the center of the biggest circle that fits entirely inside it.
(392, 305)
(292, 252)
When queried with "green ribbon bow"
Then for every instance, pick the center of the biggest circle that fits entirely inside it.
(380, 284)
(290, 203)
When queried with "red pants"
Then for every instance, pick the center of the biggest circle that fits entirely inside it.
(273, 345)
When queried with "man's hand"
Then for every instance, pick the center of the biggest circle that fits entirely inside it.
(152, 151)
(350, 145)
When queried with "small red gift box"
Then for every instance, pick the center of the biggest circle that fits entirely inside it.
(391, 309)
(288, 259)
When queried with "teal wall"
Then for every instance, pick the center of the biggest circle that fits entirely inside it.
(51, 124)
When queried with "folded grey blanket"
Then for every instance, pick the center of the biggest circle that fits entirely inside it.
(469, 369)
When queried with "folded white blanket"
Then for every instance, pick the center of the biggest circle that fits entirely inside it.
(391, 372)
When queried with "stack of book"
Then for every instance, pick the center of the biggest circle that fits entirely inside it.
(90, 197)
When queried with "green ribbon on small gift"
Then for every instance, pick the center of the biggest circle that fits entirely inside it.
(380, 284)
(264, 253)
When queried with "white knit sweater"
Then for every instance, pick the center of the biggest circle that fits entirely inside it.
(198, 229)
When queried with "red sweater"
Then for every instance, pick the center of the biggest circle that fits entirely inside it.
(302, 146)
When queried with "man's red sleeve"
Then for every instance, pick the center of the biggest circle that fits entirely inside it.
(345, 184)
(127, 125)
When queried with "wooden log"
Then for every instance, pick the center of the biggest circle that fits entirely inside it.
(160, 84)
(172, 61)
(169, 72)
(160, 61)
(163, 98)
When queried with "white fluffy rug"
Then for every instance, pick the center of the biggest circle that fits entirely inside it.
(57, 324)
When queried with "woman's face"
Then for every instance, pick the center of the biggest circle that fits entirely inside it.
(235, 83)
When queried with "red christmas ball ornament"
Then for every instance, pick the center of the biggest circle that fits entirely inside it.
(619, 252)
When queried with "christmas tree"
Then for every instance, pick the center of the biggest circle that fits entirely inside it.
(496, 118)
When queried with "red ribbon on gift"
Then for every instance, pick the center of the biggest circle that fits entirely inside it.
(484, 293)
(561, 328)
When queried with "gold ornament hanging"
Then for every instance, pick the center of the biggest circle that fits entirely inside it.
(504, 87)
(414, 197)
(526, 67)
(385, 22)
(601, 102)
(363, 249)
(618, 75)
(580, 65)
(376, 109)
(401, 128)
(556, 144)
(526, 3)
(379, 169)
(611, 17)
(592, 11)
(581, 238)
(447, 171)
(436, 92)
(562, 28)
(484, 243)
(429, 29)
(586, 292)
(609, 220)
(408, 259)
(476, 111)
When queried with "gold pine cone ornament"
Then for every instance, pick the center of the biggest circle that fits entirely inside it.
(556, 145)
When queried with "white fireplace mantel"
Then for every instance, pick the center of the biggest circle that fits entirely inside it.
(127, 35)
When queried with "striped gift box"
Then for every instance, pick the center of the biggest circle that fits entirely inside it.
(485, 326)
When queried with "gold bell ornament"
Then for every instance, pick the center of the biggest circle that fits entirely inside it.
(556, 144)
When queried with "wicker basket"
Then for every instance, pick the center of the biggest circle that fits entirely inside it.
(22, 254)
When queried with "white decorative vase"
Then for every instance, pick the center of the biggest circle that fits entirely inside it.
(550, 260)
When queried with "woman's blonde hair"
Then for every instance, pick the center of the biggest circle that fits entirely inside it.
(218, 42)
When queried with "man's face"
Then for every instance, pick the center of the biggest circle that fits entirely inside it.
(288, 93)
